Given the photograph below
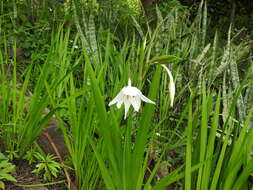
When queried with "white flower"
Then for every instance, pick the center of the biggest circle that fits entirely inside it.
(172, 87)
(130, 95)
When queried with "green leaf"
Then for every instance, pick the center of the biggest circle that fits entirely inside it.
(106, 176)
(165, 59)
(2, 185)
(142, 135)
(188, 159)
(2, 156)
(7, 177)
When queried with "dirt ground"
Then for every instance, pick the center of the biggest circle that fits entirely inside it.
(24, 176)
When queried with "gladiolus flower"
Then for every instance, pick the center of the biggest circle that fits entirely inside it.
(172, 87)
(130, 95)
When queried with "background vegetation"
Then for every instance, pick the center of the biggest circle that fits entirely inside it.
(64, 61)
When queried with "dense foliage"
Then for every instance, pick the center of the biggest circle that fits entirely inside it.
(62, 62)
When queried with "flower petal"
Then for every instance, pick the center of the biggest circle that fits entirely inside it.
(172, 87)
(172, 92)
(130, 91)
(127, 106)
(120, 102)
(116, 99)
(145, 99)
(129, 82)
(136, 102)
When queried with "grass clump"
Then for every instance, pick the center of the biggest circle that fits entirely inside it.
(201, 139)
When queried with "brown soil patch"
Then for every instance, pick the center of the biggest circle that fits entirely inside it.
(24, 176)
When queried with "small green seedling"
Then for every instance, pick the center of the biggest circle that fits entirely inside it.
(47, 165)
(5, 169)
(30, 156)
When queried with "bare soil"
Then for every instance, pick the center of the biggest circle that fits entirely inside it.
(24, 176)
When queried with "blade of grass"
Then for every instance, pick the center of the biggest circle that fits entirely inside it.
(142, 133)
(188, 157)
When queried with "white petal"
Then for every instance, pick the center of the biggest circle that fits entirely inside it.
(145, 99)
(129, 82)
(130, 91)
(117, 98)
(172, 87)
(127, 105)
(136, 102)
(172, 92)
(120, 102)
